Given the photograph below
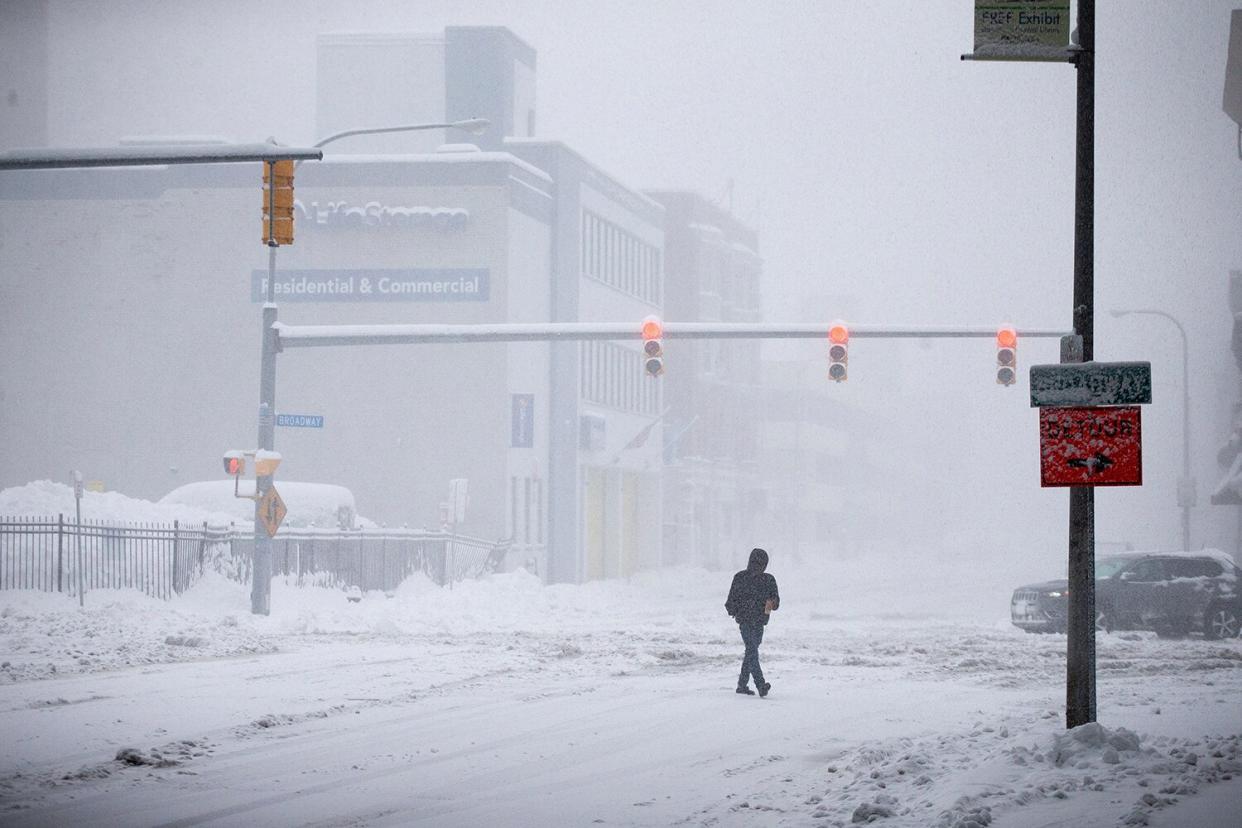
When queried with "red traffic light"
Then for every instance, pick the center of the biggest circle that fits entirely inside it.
(1006, 355)
(838, 352)
(653, 347)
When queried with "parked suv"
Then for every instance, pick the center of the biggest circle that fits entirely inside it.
(1172, 593)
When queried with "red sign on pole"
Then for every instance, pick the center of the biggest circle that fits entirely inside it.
(1091, 446)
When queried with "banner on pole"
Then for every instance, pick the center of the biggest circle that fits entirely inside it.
(1022, 30)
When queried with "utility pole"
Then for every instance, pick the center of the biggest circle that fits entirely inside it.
(1080, 649)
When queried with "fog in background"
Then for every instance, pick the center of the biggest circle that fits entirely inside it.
(889, 181)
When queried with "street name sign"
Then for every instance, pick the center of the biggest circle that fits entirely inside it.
(272, 510)
(300, 420)
(1021, 30)
(1091, 446)
(1091, 383)
(522, 421)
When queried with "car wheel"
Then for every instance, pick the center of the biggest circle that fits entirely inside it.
(1221, 622)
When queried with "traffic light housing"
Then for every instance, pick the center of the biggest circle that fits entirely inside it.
(838, 352)
(653, 346)
(277, 202)
(234, 463)
(1006, 356)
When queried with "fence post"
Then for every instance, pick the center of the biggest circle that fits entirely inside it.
(384, 560)
(176, 545)
(60, 548)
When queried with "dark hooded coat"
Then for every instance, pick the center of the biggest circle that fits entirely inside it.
(751, 589)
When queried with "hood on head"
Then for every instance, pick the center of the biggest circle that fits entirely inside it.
(758, 560)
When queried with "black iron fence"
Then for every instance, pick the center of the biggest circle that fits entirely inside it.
(58, 555)
(54, 554)
(371, 558)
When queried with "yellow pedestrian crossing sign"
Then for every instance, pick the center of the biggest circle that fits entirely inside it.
(272, 510)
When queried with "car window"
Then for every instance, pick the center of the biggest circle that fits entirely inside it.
(1146, 570)
(1108, 567)
(1193, 568)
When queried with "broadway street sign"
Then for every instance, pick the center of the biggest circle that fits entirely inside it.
(299, 420)
(1091, 383)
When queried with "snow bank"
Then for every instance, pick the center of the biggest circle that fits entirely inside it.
(968, 779)
(45, 498)
(46, 634)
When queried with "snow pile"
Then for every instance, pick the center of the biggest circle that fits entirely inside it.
(515, 601)
(43, 634)
(920, 781)
(46, 498)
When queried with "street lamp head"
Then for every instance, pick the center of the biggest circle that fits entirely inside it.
(475, 126)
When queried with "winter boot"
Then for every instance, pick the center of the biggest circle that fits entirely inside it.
(744, 690)
(764, 688)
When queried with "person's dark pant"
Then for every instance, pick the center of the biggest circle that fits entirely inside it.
(752, 636)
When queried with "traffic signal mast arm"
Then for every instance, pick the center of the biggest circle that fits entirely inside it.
(48, 159)
(310, 336)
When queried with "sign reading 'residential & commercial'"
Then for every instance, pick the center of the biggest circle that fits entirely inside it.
(413, 285)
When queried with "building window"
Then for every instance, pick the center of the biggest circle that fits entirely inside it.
(539, 510)
(526, 512)
(612, 375)
(619, 259)
(513, 508)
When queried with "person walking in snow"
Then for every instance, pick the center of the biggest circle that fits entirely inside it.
(752, 598)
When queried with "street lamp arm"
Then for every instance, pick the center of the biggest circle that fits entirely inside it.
(1184, 497)
(472, 125)
(1154, 312)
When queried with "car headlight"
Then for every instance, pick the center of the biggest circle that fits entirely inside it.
(1055, 594)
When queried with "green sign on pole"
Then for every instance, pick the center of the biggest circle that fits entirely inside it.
(1021, 30)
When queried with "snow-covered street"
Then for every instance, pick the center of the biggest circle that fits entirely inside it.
(505, 702)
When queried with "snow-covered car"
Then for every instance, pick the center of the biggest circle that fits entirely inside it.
(1172, 593)
(322, 505)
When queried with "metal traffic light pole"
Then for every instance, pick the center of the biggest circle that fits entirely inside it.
(261, 565)
(1080, 646)
(311, 336)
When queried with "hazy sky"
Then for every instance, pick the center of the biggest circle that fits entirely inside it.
(890, 181)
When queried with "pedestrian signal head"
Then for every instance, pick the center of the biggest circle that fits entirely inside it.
(1006, 355)
(653, 346)
(234, 463)
(838, 352)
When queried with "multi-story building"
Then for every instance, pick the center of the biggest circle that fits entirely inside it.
(713, 495)
(132, 295)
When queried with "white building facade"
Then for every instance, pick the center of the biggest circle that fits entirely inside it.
(131, 305)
